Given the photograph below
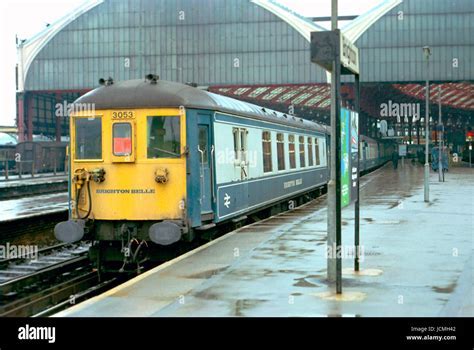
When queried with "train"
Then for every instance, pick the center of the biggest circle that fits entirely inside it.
(159, 162)
(42, 156)
(28, 157)
(7, 151)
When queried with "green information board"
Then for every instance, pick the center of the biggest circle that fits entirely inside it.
(345, 157)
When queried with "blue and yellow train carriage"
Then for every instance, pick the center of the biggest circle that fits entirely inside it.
(273, 156)
(156, 162)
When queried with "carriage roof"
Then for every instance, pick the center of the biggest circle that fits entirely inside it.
(143, 94)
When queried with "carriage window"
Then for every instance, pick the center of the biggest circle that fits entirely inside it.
(203, 141)
(88, 138)
(323, 152)
(302, 158)
(122, 136)
(240, 144)
(267, 151)
(316, 151)
(281, 151)
(243, 144)
(236, 133)
(310, 151)
(163, 137)
(291, 147)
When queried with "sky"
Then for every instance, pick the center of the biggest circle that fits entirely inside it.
(25, 18)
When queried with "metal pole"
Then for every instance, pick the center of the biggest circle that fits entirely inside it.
(333, 14)
(331, 236)
(66, 161)
(427, 132)
(356, 205)
(338, 221)
(470, 155)
(440, 138)
(55, 162)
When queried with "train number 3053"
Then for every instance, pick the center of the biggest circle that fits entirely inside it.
(123, 115)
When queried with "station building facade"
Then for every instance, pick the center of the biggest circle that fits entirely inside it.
(254, 50)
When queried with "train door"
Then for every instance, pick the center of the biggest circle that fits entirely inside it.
(205, 150)
(244, 163)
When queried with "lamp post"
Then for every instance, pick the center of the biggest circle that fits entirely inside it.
(427, 53)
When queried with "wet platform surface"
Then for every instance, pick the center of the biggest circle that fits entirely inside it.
(41, 184)
(417, 260)
(29, 207)
(14, 180)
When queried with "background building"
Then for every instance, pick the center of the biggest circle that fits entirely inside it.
(252, 50)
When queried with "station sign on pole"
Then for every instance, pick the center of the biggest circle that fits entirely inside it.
(337, 54)
(349, 156)
(332, 44)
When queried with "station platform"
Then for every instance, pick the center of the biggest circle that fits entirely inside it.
(29, 207)
(15, 187)
(417, 260)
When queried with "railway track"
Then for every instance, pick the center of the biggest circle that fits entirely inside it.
(78, 290)
(28, 284)
(34, 266)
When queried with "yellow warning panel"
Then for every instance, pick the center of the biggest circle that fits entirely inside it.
(345, 296)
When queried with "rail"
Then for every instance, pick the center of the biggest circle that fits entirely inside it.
(31, 285)
(23, 272)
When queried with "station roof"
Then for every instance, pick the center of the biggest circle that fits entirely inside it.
(455, 95)
(302, 24)
(29, 49)
(318, 96)
(310, 95)
(354, 29)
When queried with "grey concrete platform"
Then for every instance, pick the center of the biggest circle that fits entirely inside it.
(33, 206)
(26, 177)
(417, 260)
(27, 185)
